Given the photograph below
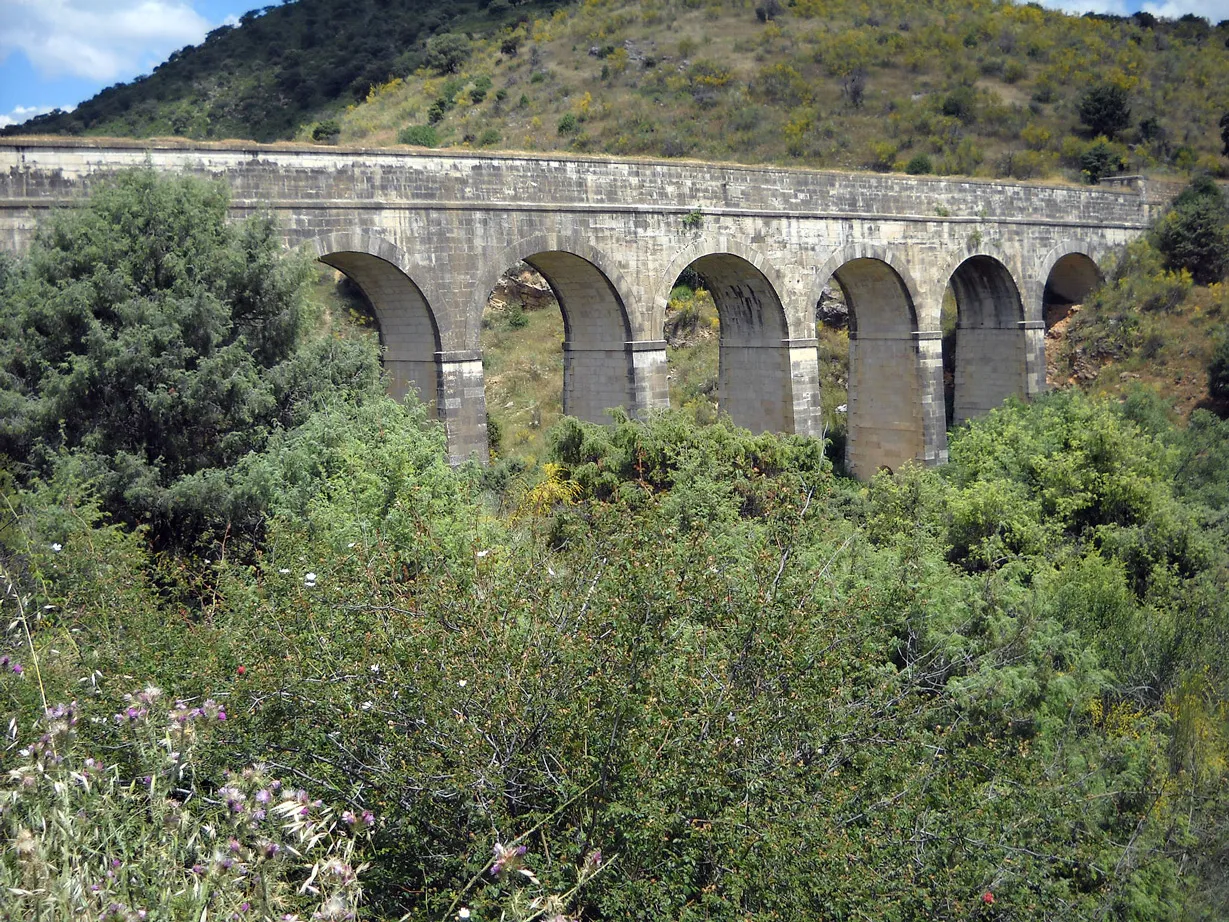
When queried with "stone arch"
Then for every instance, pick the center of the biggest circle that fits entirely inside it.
(992, 351)
(409, 331)
(598, 356)
(887, 422)
(708, 245)
(754, 383)
(1066, 275)
(878, 253)
(971, 250)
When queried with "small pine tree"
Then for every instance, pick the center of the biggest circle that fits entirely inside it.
(1105, 110)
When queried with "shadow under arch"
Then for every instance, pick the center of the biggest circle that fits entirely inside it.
(598, 354)
(991, 353)
(1067, 275)
(754, 384)
(889, 258)
(409, 333)
(886, 423)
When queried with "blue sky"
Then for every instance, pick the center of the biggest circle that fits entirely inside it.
(57, 53)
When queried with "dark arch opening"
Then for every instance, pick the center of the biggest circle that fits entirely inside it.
(554, 340)
(885, 427)
(987, 355)
(1070, 282)
(408, 333)
(753, 374)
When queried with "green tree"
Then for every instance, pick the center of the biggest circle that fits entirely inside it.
(446, 53)
(1194, 234)
(156, 345)
(1218, 371)
(960, 103)
(326, 131)
(1100, 160)
(1105, 109)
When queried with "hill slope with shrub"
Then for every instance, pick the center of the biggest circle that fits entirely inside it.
(985, 88)
(1161, 318)
(990, 89)
(279, 67)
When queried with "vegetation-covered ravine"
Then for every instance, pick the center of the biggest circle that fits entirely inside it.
(266, 655)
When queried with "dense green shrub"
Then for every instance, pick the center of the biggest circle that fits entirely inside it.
(154, 345)
(683, 667)
(1194, 234)
(919, 164)
(326, 131)
(447, 52)
(1105, 110)
(960, 103)
(419, 136)
(1099, 160)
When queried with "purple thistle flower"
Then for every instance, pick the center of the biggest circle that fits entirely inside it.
(507, 858)
(349, 818)
(369, 818)
(268, 849)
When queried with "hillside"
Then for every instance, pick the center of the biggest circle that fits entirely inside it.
(950, 87)
(986, 89)
(280, 67)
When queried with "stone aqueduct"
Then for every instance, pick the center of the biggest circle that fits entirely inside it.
(426, 235)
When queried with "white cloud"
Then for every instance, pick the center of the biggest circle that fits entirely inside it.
(21, 114)
(1212, 10)
(1079, 7)
(101, 40)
